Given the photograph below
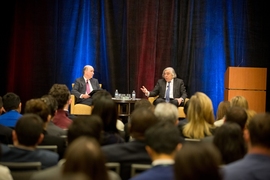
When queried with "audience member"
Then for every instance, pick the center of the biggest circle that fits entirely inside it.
(84, 85)
(142, 103)
(12, 107)
(167, 112)
(133, 151)
(26, 136)
(237, 115)
(239, 101)
(197, 161)
(40, 108)
(62, 95)
(85, 156)
(255, 165)
(230, 142)
(177, 91)
(85, 125)
(200, 117)
(4, 171)
(52, 129)
(223, 108)
(162, 142)
(5, 132)
(250, 114)
(107, 110)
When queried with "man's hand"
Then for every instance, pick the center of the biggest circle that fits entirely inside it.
(85, 96)
(144, 90)
(180, 100)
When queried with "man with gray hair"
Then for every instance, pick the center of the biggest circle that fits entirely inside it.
(83, 86)
(168, 89)
(167, 112)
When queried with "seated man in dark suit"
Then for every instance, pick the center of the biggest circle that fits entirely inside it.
(83, 86)
(169, 89)
(162, 142)
(134, 151)
(26, 136)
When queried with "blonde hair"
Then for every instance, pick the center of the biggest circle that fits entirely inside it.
(239, 101)
(250, 115)
(200, 115)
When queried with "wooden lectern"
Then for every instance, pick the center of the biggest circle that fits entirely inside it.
(247, 82)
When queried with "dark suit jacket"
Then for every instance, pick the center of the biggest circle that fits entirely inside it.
(127, 154)
(179, 89)
(54, 140)
(80, 87)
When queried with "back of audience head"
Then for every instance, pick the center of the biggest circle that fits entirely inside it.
(239, 101)
(140, 120)
(197, 161)
(250, 114)
(85, 125)
(143, 103)
(11, 101)
(237, 115)
(61, 93)
(51, 103)
(257, 132)
(223, 108)
(107, 110)
(84, 156)
(200, 108)
(38, 107)
(162, 138)
(230, 142)
(167, 112)
(200, 117)
(28, 130)
(101, 94)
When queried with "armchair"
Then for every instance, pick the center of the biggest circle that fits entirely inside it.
(79, 109)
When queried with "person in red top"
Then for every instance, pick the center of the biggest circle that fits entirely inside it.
(62, 95)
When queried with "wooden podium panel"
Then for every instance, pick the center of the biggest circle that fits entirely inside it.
(246, 78)
(256, 99)
(248, 82)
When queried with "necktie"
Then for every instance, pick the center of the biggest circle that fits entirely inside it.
(87, 87)
(168, 93)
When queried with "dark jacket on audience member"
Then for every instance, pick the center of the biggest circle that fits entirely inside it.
(127, 154)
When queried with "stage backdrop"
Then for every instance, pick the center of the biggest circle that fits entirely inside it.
(129, 43)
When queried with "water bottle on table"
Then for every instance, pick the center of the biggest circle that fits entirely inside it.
(116, 95)
(133, 95)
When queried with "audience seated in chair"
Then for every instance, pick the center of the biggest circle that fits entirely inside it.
(256, 163)
(40, 108)
(134, 151)
(52, 129)
(230, 142)
(223, 108)
(84, 125)
(26, 136)
(62, 95)
(107, 110)
(197, 161)
(162, 142)
(236, 101)
(200, 117)
(12, 108)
